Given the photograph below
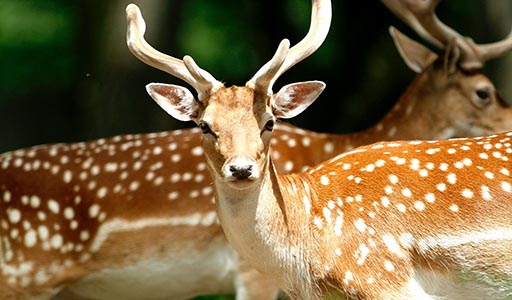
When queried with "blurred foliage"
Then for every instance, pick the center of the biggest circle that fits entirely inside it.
(212, 38)
(66, 75)
(36, 31)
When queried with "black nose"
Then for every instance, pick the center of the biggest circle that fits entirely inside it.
(241, 172)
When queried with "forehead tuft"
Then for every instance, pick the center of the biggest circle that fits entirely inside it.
(235, 103)
(234, 95)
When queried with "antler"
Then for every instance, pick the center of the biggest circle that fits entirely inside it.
(420, 16)
(264, 78)
(186, 69)
(321, 15)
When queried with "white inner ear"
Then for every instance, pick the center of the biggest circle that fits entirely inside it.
(176, 100)
(294, 98)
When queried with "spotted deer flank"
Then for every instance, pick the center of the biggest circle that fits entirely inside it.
(69, 208)
(394, 220)
(420, 216)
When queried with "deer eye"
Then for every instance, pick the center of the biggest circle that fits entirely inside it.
(483, 96)
(205, 128)
(269, 125)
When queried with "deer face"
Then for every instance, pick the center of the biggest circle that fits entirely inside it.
(236, 145)
(471, 98)
(453, 85)
(486, 112)
(237, 123)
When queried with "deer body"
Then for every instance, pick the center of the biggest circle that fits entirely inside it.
(422, 232)
(77, 232)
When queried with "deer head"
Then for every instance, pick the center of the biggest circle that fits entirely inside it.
(456, 75)
(236, 162)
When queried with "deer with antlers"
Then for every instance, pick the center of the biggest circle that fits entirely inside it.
(159, 238)
(392, 220)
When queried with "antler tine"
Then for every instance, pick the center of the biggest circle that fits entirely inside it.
(262, 80)
(420, 15)
(403, 12)
(424, 10)
(493, 50)
(321, 15)
(202, 81)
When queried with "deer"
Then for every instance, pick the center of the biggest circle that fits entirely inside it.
(391, 220)
(192, 257)
(444, 83)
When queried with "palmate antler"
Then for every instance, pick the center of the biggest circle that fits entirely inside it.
(202, 81)
(420, 16)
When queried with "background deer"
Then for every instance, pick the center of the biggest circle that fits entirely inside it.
(105, 171)
(393, 220)
(449, 97)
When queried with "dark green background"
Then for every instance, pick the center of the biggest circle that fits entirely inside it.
(66, 74)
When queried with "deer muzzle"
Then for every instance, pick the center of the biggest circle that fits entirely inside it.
(240, 168)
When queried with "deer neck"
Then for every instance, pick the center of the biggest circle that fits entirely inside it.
(268, 226)
(410, 117)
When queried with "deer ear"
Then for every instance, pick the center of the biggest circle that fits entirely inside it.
(294, 98)
(452, 57)
(176, 100)
(416, 56)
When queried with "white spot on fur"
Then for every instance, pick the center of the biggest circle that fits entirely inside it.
(324, 180)
(53, 206)
(329, 147)
(393, 246)
(94, 211)
(389, 266)
(30, 239)
(419, 205)
(14, 215)
(361, 254)
(338, 224)
(506, 186)
(348, 277)
(467, 193)
(360, 225)
(406, 192)
(486, 195)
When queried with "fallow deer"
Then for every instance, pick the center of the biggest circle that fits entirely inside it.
(391, 220)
